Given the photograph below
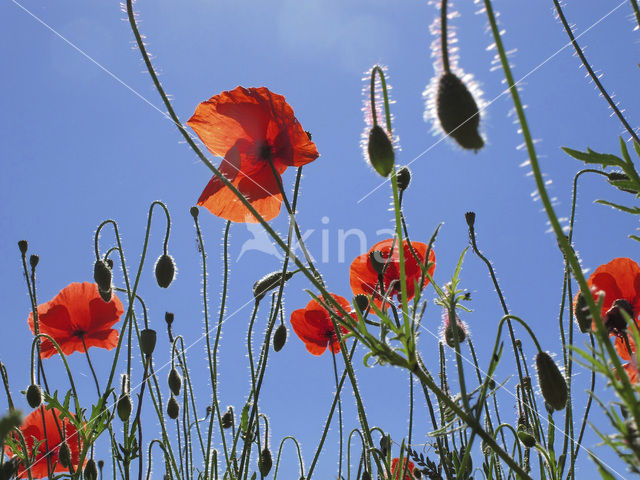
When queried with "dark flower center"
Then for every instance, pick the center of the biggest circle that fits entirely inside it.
(79, 333)
(614, 319)
(265, 152)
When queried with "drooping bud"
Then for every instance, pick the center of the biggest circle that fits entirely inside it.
(269, 282)
(361, 302)
(34, 395)
(173, 408)
(227, 418)
(458, 112)
(165, 270)
(148, 341)
(279, 337)
(23, 245)
(377, 261)
(124, 407)
(194, 212)
(33, 261)
(102, 275)
(403, 175)
(552, 382)
(64, 454)
(525, 433)
(581, 312)
(385, 445)
(90, 470)
(380, 149)
(175, 381)
(265, 462)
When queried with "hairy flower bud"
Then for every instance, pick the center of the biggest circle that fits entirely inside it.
(90, 470)
(269, 282)
(279, 337)
(265, 462)
(34, 395)
(458, 112)
(552, 382)
(124, 407)
(452, 331)
(102, 275)
(380, 149)
(165, 270)
(64, 454)
(148, 341)
(581, 312)
(403, 175)
(227, 418)
(525, 433)
(175, 381)
(173, 408)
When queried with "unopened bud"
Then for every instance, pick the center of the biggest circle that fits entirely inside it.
(175, 381)
(380, 149)
(552, 382)
(458, 112)
(269, 282)
(581, 312)
(403, 175)
(525, 433)
(102, 275)
(64, 454)
(452, 331)
(124, 407)
(165, 270)
(34, 395)
(173, 408)
(148, 341)
(265, 462)
(227, 418)
(90, 470)
(279, 337)
(23, 245)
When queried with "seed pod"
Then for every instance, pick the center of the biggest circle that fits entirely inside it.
(148, 341)
(175, 381)
(269, 282)
(33, 261)
(361, 302)
(470, 217)
(380, 149)
(90, 470)
(173, 408)
(403, 176)
(552, 382)
(581, 312)
(458, 112)
(227, 418)
(64, 454)
(124, 407)
(34, 395)
(279, 337)
(23, 246)
(194, 212)
(165, 270)
(102, 275)
(265, 462)
(377, 261)
(100, 464)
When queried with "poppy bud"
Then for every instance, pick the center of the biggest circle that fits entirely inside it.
(525, 433)
(454, 329)
(64, 454)
(470, 217)
(361, 302)
(34, 395)
(581, 312)
(148, 341)
(173, 408)
(380, 148)
(124, 407)
(265, 462)
(552, 382)
(165, 270)
(279, 337)
(23, 246)
(403, 176)
(194, 212)
(175, 381)
(33, 261)
(385, 444)
(102, 275)
(90, 470)
(377, 261)
(227, 418)
(458, 112)
(268, 282)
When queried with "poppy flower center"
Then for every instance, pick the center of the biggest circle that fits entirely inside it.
(614, 319)
(79, 333)
(265, 151)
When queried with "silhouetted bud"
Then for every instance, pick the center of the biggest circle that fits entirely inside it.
(34, 395)
(581, 312)
(380, 149)
(454, 329)
(194, 212)
(64, 454)
(227, 418)
(124, 407)
(90, 470)
(265, 461)
(173, 408)
(175, 381)
(269, 282)
(102, 275)
(148, 341)
(23, 245)
(552, 382)
(361, 302)
(385, 445)
(470, 217)
(33, 261)
(377, 261)
(165, 270)
(458, 112)
(279, 337)
(403, 175)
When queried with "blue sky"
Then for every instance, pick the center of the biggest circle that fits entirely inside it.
(82, 143)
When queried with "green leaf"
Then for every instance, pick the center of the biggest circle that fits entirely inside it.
(632, 210)
(244, 417)
(604, 159)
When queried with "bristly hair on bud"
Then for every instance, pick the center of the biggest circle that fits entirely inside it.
(265, 461)
(450, 331)
(403, 176)
(380, 151)
(581, 312)
(34, 395)
(174, 381)
(227, 418)
(552, 383)
(279, 337)
(165, 270)
(173, 408)
(269, 282)
(64, 454)
(124, 407)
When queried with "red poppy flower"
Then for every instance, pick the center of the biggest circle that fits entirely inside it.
(397, 469)
(632, 371)
(622, 349)
(78, 313)
(250, 127)
(620, 281)
(364, 279)
(314, 327)
(49, 433)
